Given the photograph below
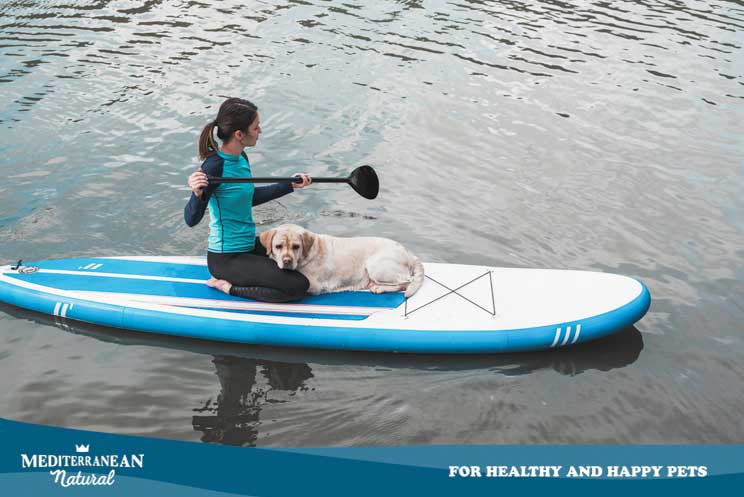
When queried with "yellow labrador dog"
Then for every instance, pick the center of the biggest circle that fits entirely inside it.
(334, 264)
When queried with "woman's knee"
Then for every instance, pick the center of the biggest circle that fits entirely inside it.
(262, 293)
(298, 283)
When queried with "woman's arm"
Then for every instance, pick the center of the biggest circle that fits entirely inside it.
(197, 205)
(263, 194)
(195, 209)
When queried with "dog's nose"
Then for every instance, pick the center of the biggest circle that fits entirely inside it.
(286, 261)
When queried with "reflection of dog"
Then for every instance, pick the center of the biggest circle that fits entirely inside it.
(334, 264)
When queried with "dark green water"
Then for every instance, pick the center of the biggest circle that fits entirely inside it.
(585, 135)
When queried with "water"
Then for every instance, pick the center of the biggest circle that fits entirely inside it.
(584, 135)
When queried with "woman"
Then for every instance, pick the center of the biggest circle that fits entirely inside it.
(237, 261)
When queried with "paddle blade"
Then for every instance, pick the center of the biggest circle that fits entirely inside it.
(364, 181)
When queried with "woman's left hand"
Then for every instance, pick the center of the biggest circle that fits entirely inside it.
(306, 181)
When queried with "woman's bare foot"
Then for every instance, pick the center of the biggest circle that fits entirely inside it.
(222, 285)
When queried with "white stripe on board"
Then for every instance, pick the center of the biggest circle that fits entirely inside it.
(126, 276)
(557, 336)
(96, 267)
(236, 305)
(89, 265)
(568, 334)
(56, 308)
(176, 259)
(63, 313)
(578, 330)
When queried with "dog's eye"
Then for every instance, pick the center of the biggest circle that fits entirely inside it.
(295, 247)
(279, 246)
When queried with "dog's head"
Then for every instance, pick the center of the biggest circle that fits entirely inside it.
(287, 244)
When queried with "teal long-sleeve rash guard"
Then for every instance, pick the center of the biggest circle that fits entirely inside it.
(231, 226)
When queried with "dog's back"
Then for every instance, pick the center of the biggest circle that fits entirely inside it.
(388, 248)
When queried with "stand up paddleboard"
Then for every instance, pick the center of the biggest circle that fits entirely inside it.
(459, 308)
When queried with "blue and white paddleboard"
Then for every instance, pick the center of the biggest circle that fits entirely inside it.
(459, 308)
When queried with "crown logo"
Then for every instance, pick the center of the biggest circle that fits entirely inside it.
(82, 448)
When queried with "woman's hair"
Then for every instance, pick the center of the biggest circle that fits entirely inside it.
(235, 114)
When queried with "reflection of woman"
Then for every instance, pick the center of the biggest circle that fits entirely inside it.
(235, 416)
(236, 259)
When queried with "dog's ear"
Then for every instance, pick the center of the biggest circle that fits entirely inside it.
(307, 242)
(267, 238)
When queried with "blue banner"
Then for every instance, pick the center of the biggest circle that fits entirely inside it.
(43, 460)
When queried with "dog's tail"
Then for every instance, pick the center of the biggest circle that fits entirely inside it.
(418, 277)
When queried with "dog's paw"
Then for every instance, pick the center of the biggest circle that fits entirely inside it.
(386, 288)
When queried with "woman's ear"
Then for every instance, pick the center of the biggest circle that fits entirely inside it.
(267, 238)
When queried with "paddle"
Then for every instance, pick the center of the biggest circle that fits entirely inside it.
(362, 179)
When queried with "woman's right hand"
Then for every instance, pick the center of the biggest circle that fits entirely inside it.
(198, 182)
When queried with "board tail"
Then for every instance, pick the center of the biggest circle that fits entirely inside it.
(418, 277)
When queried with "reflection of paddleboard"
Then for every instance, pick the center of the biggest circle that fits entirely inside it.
(458, 309)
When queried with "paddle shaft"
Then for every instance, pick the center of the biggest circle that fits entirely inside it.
(293, 179)
(363, 180)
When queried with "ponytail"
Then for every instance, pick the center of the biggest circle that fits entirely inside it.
(207, 145)
(235, 114)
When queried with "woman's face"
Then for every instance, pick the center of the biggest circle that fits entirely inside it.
(250, 138)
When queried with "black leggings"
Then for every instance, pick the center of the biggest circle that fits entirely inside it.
(255, 276)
